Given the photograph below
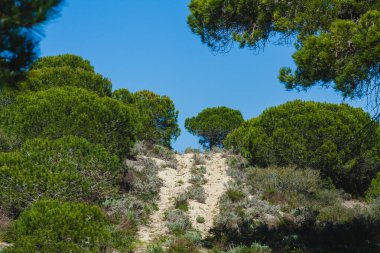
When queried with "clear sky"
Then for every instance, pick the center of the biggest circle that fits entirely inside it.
(147, 44)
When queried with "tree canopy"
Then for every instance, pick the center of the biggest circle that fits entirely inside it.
(212, 125)
(55, 226)
(61, 111)
(69, 168)
(65, 70)
(337, 41)
(18, 37)
(340, 141)
(158, 115)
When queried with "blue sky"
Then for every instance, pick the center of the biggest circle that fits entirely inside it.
(146, 44)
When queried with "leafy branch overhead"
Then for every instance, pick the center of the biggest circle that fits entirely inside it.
(337, 41)
(20, 23)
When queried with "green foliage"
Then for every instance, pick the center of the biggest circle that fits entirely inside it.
(65, 70)
(254, 248)
(181, 202)
(72, 111)
(53, 226)
(291, 188)
(197, 192)
(182, 245)
(177, 221)
(200, 219)
(212, 125)
(293, 210)
(18, 37)
(65, 60)
(348, 45)
(338, 41)
(374, 190)
(340, 141)
(8, 142)
(69, 168)
(157, 114)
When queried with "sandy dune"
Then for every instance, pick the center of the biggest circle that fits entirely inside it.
(175, 181)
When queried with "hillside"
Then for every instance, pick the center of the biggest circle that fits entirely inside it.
(175, 182)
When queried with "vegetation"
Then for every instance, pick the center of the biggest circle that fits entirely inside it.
(332, 37)
(158, 115)
(338, 140)
(57, 112)
(69, 168)
(212, 125)
(54, 226)
(292, 210)
(80, 164)
(374, 190)
(18, 38)
(65, 70)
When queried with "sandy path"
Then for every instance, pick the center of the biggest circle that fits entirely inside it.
(175, 182)
(217, 179)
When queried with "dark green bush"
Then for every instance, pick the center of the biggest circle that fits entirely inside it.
(69, 168)
(340, 141)
(65, 70)
(53, 226)
(64, 111)
(157, 115)
(212, 125)
(374, 190)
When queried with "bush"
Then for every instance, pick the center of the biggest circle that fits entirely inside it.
(8, 142)
(254, 248)
(212, 125)
(197, 193)
(181, 202)
(293, 210)
(374, 190)
(182, 245)
(157, 114)
(292, 187)
(69, 168)
(334, 139)
(200, 219)
(177, 221)
(72, 111)
(53, 226)
(65, 70)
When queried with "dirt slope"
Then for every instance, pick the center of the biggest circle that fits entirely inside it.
(175, 181)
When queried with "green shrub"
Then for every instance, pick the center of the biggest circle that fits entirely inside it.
(155, 249)
(69, 168)
(254, 248)
(157, 113)
(72, 111)
(200, 219)
(294, 210)
(334, 139)
(212, 125)
(197, 179)
(65, 70)
(53, 226)
(235, 195)
(182, 245)
(374, 190)
(8, 142)
(292, 187)
(197, 193)
(181, 202)
(177, 221)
